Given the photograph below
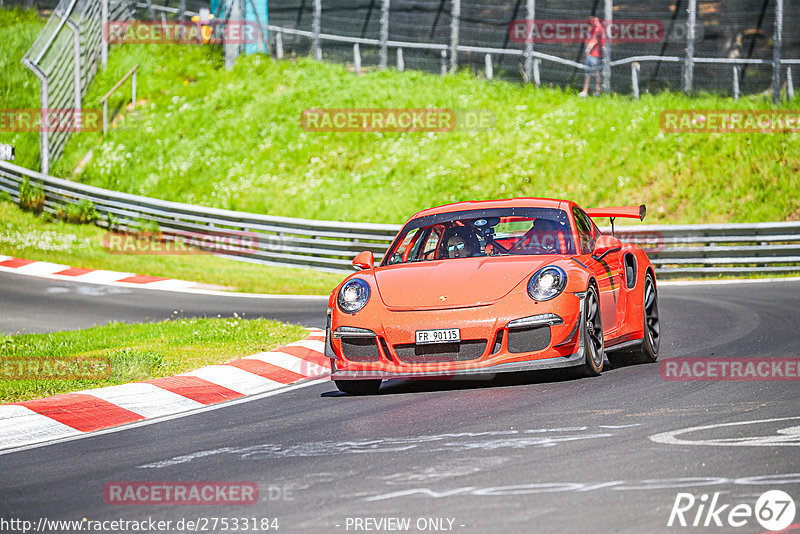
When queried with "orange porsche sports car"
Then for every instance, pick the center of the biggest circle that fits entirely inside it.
(494, 286)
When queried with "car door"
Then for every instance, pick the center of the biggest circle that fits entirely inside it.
(607, 271)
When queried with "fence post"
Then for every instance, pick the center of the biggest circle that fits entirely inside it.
(531, 14)
(455, 21)
(789, 84)
(401, 65)
(635, 79)
(536, 64)
(104, 30)
(489, 69)
(609, 18)
(736, 82)
(688, 69)
(356, 59)
(443, 54)
(279, 45)
(182, 7)
(776, 51)
(231, 49)
(44, 136)
(76, 73)
(384, 34)
(315, 29)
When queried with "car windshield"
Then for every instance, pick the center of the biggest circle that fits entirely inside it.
(475, 233)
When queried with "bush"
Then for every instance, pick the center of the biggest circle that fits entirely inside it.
(83, 212)
(31, 196)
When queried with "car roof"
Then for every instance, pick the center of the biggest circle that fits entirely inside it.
(526, 202)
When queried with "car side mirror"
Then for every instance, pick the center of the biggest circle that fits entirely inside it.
(604, 245)
(364, 260)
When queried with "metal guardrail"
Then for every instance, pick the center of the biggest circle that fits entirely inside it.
(675, 250)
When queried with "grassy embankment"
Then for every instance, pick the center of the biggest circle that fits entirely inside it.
(134, 352)
(203, 135)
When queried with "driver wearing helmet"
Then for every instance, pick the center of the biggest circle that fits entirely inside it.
(544, 236)
(459, 242)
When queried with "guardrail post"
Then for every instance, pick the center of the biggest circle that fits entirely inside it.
(789, 84)
(279, 45)
(356, 59)
(537, 63)
(688, 69)
(489, 69)
(104, 30)
(736, 82)
(443, 54)
(635, 80)
(776, 52)
(384, 61)
(530, 12)
(315, 29)
(401, 65)
(455, 22)
(609, 18)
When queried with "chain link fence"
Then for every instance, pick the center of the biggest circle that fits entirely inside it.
(729, 36)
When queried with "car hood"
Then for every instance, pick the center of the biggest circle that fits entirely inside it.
(455, 283)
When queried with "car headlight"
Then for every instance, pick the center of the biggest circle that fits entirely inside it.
(353, 295)
(547, 283)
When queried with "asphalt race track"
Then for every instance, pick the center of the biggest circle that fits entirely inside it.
(522, 453)
(32, 305)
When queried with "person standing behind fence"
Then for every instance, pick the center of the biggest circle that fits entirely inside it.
(595, 46)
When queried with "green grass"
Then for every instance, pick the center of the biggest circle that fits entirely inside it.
(138, 351)
(19, 87)
(234, 140)
(23, 234)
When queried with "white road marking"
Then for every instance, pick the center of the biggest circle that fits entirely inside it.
(787, 437)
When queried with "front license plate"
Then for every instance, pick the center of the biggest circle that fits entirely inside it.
(447, 335)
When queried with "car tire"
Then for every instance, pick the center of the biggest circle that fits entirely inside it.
(358, 387)
(592, 334)
(647, 352)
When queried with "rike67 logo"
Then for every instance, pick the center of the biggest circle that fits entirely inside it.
(774, 511)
